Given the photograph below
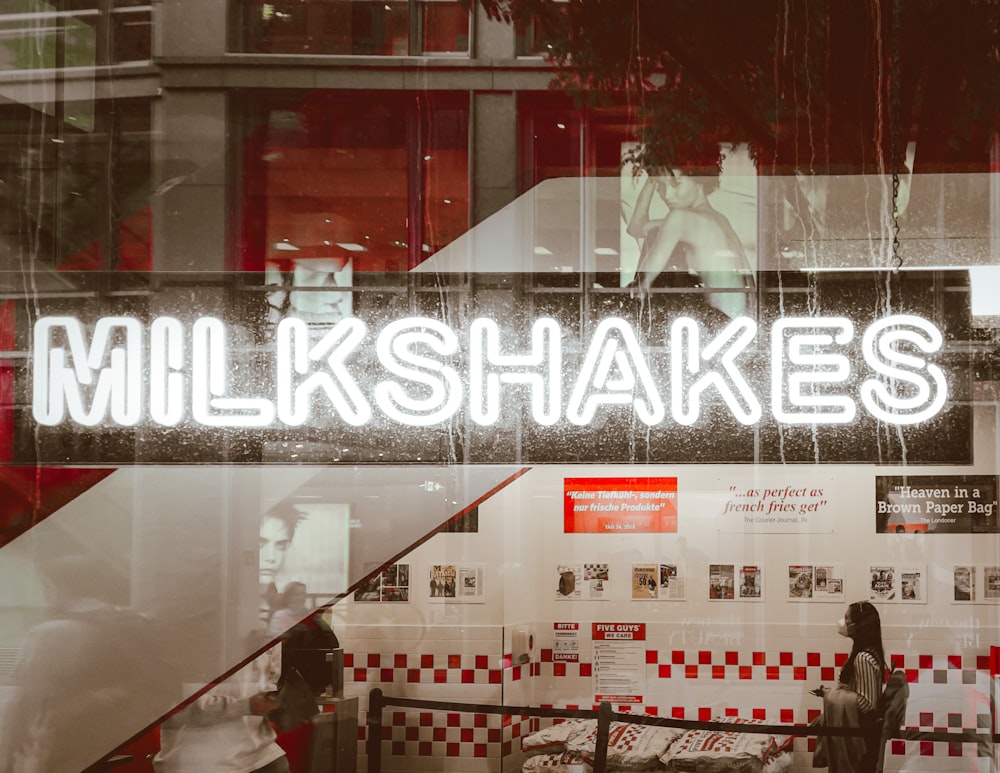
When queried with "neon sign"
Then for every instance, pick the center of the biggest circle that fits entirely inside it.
(170, 373)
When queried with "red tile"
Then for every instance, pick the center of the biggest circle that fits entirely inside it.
(732, 658)
(983, 663)
(516, 674)
(652, 656)
(705, 657)
(704, 713)
(468, 676)
(386, 674)
(482, 661)
(691, 672)
(348, 660)
(399, 718)
(898, 746)
(772, 672)
(926, 719)
(398, 747)
(399, 660)
(826, 674)
(480, 720)
(926, 748)
(912, 675)
(466, 736)
(718, 672)
(494, 735)
(424, 749)
(586, 669)
(839, 659)
(374, 660)
(677, 657)
(677, 712)
(496, 676)
(786, 716)
(926, 661)
(812, 659)
(759, 659)
(559, 669)
(452, 750)
(812, 714)
(546, 656)
(955, 661)
(732, 711)
(412, 734)
(360, 674)
(426, 719)
(653, 711)
(440, 734)
(454, 661)
(784, 658)
(799, 672)
(759, 713)
(413, 675)
(896, 661)
(746, 672)
(664, 671)
(479, 750)
(440, 676)
(386, 733)
(506, 749)
(427, 661)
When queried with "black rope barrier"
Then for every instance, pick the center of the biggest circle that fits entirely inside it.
(604, 714)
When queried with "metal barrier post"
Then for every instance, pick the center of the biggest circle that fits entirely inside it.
(601, 743)
(375, 705)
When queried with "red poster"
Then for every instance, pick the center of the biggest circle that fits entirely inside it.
(619, 505)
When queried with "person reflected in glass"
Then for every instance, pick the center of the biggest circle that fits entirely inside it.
(856, 700)
(694, 239)
(277, 528)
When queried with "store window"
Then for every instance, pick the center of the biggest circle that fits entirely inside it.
(76, 184)
(49, 35)
(353, 27)
(374, 182)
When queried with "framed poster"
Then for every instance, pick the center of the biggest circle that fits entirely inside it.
(391, 585)
(457, 583)
(582, 582)
(657, 582)
(815, 582)
(903, 584)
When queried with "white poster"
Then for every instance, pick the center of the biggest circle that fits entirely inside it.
(898, 583)
(457, 583)
(619, 662)
(785, 503)
(657, 582)
(816, 582)
(583, 582)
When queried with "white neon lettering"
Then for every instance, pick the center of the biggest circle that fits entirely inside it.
(296, 357)
(686, 359)
(814, 366)
(544, 382)
(166, 383)
(210, 363)
(189, 373)
(614, 346)
(396, 346)
(118, 385)
(882, 355)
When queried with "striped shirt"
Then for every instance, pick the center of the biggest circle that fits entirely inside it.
(867, 682)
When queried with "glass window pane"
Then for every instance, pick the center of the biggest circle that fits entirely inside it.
(445, 28)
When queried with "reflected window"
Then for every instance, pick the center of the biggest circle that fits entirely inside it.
(339, 182)
(353, 27)
(77, 184)
(46, 35)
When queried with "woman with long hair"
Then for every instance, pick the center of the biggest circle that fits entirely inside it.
(856, 700)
